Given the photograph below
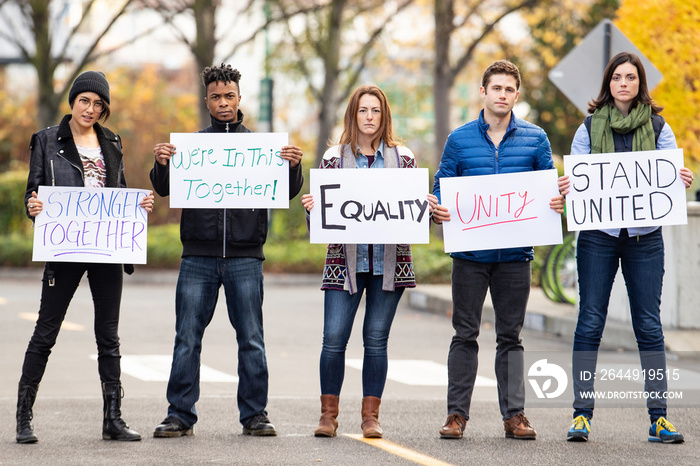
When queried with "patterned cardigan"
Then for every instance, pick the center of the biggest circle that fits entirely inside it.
(341, 258)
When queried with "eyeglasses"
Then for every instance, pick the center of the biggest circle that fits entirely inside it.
(97, 105)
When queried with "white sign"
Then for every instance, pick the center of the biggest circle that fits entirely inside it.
(104, 225)
(625, 189)
(385, 206)
(229, 170)
(500, 211)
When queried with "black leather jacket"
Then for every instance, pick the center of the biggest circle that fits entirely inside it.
(222, 232)
(54, 159)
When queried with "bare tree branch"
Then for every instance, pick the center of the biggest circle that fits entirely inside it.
(362, 55)
(467, 56)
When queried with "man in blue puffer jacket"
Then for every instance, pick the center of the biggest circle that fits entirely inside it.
(496, 142)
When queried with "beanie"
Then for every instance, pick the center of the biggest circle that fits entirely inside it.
(90, 81)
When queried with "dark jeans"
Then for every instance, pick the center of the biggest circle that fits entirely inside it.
(598, 256)
(339, 309)
(196, 296)
(509, 283)
(106, 287)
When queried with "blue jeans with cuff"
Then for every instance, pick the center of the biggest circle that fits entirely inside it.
(196, 296)
(598, 256)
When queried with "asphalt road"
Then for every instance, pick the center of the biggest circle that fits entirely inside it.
(67, 414)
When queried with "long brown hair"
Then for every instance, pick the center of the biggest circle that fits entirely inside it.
(606, 98)
(350, 129)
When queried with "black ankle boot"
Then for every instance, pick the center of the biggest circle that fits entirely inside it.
(26, 395)
(113, 427)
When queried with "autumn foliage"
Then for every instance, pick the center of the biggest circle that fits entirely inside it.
(667, 32)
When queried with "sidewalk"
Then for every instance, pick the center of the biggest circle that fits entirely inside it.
(556, 319)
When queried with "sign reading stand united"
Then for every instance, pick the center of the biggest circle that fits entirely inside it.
(103, 225)
(625, 189)
(386, 206)
(229, 170)
(500, 211)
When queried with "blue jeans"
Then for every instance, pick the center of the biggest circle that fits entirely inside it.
(598, 256)
(196, 295)
(509, 283)
(339, 309)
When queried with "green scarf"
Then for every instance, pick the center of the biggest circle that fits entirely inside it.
(609, 117)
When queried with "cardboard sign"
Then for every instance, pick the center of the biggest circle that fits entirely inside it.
(500, 211)
(625, 189)
(79, 224)
(384, 206)
(229, 170)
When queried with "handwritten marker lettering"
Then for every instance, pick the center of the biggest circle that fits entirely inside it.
(493, 209)
(595, 209)
(91, 225)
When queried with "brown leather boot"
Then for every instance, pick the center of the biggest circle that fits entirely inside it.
(370, 417)
(454, 427)
(519, 427)
(327, 425)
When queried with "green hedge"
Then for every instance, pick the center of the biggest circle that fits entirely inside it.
(13, 218)
(431, 264)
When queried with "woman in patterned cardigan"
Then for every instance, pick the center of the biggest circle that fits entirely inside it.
(382, 271)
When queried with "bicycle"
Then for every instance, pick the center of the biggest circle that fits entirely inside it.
(559, 271)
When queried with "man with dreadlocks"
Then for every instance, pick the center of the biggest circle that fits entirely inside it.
(220, 246)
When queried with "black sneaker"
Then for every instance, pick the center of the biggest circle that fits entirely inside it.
(172, 427)
(259, 426)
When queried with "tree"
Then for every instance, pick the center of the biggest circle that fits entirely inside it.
(476, 19)
(555, 29)
(667, 33)
(331, 45)
(34, 29)
(209, 34)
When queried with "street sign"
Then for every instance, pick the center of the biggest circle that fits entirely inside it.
(578, 75)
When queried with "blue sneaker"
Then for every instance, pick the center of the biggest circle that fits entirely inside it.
(663, 431)
(581, 427)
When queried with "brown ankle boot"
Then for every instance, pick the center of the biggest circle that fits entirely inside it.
(327, 425)
(370, 417)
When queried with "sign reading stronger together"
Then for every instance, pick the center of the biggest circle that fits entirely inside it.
(229, 170)
(500, 211)
(104, 225)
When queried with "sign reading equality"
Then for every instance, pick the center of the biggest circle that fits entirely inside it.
(500, 211)
(229, 170)
(387, 206)
(625, 189)
(103, 225)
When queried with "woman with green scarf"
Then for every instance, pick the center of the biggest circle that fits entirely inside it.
(624, 119)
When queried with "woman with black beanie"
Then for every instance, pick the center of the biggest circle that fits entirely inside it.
(77, 152)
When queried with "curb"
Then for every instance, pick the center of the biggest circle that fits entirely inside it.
(554, 319)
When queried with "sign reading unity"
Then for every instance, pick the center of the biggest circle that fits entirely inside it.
(500, 211)
(78, 224)
(387, 206)
(625, 189)
(229, 170)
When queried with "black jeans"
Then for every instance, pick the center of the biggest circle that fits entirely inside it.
(106, 288)
(509, 283)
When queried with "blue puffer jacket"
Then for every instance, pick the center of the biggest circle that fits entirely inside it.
(469, 151)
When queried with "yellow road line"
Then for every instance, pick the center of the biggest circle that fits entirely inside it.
(30, 316)
(398, 450)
